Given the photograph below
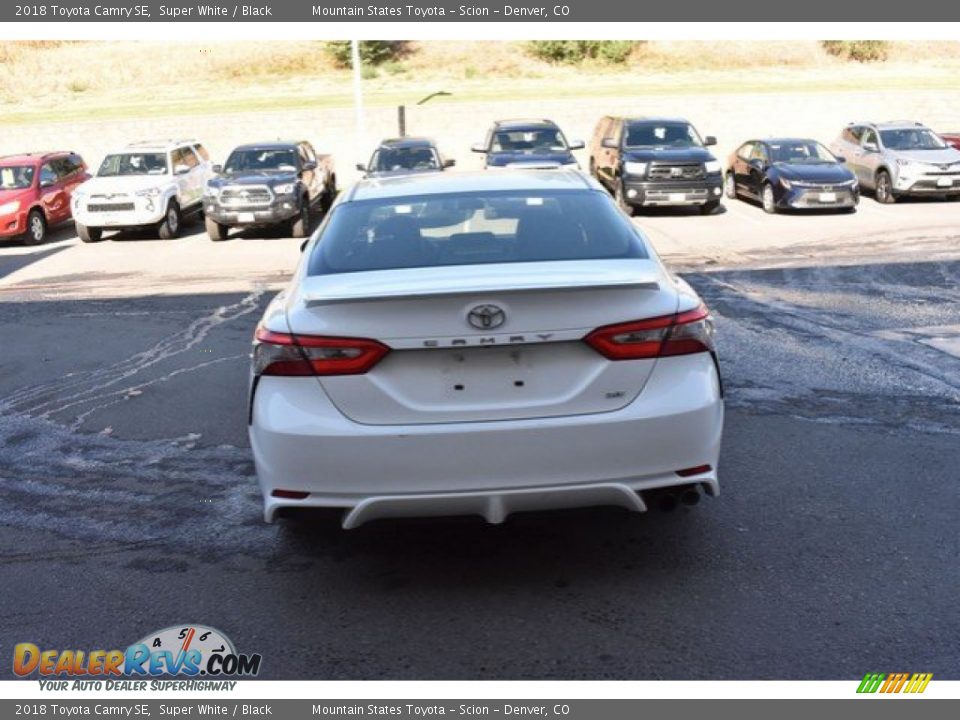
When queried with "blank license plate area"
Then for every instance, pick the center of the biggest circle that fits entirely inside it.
(677, 197)
(828, 197)
(246, 217)
(487, 377)
(945, 182)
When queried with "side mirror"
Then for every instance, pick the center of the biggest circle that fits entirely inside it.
(181, 170)
(478, 148)
(840, 159)
(218, 169)
(309, 165)
(449, 163)
(871, 147)
(576, 145)
(757, 164)
(361, 167)
(709, 140)
(609, 143)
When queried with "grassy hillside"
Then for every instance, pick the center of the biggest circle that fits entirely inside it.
(62, 80)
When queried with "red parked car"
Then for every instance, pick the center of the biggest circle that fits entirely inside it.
(952, 138)
(35, 191)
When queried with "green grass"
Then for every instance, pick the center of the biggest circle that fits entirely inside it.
(88, 106)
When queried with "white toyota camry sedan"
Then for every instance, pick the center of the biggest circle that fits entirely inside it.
(483, 344)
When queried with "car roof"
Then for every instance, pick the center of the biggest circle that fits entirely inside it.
(270, 145)
(160, 145)
(524, 122)
(892, 124)
(405, 142)
(653, 118)
(785, 140)
(33, 157)
(468, 182)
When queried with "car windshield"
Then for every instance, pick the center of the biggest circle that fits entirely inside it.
(528, 141)
(474, 229)
(16, 177)
(261, 160)
(911, 139)
(392, 159)
(797, 152)
(133, 164)
(657, 135)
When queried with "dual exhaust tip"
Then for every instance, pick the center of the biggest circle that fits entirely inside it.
(667, 499)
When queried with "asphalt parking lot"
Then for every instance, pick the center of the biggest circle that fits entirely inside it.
(128, 503)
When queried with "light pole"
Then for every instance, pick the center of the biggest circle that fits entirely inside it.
(402, 110)
(359, 133)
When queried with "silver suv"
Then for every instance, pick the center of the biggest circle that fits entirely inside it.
(896, 159)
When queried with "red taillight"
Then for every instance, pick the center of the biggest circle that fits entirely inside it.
(301, 355)
(698, 470)
(680, 334)
(290, 494)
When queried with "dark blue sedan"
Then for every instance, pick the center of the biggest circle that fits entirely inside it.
(791, 174)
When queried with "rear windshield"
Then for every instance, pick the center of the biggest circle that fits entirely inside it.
(474, 229)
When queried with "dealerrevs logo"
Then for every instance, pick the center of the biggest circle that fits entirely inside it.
(190, 650)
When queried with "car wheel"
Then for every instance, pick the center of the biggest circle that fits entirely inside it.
(170, 226)
(621, 200)
(884, 191)
(89, 234)
(36, 228)
(730, 186)
(301, 225)
(215, 230)
(708, 208)
(769, 201)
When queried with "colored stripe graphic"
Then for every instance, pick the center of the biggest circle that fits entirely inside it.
(894, 683)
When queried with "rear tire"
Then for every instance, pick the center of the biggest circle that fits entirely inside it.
(301, 224)
(884, 189)
(89, 234)
(710, 207)
(169, 228)
(36, 228)
(215, 230)
(768, 200)
(730, 186)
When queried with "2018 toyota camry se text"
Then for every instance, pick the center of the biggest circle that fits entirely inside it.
(482, 344)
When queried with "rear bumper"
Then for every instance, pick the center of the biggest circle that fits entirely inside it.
(673, 192)
(302, 443)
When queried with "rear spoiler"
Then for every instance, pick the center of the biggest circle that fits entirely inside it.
(408, 283)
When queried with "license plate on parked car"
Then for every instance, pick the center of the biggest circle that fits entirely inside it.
(677, 197)
(828, 197)
(945, 182)
(246, 217)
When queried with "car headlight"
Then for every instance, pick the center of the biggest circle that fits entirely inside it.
(286, 189)
(634, 168)
(712, 166)
(786, 183)
(148, 193)
(9, 208)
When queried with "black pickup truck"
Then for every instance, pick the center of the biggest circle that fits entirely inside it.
(270, 183)
(654, 162)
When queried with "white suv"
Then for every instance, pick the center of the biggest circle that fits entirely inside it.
(144, 184)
